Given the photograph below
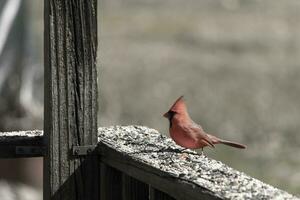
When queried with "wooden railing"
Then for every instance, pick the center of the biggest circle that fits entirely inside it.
(137, 163)
(115, 163)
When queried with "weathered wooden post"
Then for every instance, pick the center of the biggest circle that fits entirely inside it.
(70, 48)
(133, 160)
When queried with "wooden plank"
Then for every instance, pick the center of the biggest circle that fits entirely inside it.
(70, 113)
(158, 195)
(140, 158)
(152, 158)
(12, 144)
(134, 189)
(111, 183)
(151, 193)
(157, 178)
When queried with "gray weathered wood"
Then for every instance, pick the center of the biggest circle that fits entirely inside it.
(134, 189)
(151, 193)
(70, 98)
(158, 178)
(111, 183)
(158, 195)
(11, 141)
(139, 152)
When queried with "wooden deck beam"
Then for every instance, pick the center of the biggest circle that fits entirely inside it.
(134, 156)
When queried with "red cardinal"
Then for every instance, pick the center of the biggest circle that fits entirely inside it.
(187, 133)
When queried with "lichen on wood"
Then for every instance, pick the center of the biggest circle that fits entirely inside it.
(150, 147)
(196, 174)
(19, 135)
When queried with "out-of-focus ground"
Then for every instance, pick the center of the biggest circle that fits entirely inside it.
(236, 62)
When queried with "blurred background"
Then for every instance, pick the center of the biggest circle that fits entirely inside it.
(237, 63)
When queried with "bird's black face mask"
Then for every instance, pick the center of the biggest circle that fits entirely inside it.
(170, 114)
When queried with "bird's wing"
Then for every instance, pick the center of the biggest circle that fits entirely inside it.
(199, 133)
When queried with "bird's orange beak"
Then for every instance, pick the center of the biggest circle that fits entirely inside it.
(166, 115)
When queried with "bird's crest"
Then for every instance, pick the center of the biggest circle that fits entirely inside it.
(179, 106)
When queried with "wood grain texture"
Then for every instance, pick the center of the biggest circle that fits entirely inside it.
(150, 157)
(137, 153)
(167, 183)
(10, 141)
(70, 98)
(158, 195)
(133, 189)
(111, 183)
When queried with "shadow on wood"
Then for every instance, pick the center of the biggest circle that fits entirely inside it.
(130, 163)
(83, 183)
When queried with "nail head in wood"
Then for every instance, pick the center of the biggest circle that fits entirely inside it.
(83, 150)
(30, 150)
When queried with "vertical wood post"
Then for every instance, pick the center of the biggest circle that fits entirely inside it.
(70, 115)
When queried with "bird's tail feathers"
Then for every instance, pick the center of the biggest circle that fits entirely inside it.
(233, 144)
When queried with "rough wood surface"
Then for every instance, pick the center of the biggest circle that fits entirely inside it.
(10, 141)
(158, 195)
(138, 152)
(70, 117)
(33, 137)
(133, 189)
(111, 183)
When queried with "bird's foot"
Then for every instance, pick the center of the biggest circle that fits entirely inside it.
(182, 150)
(170, 149)
(165, 149)
(184, 156)
(202, 153)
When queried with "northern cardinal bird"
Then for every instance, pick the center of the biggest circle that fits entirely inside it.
(186, 133)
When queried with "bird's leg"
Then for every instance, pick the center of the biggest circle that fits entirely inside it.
(179, 150)
(168, 149)
(202, 153)
(161, 137)
(184, 155)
